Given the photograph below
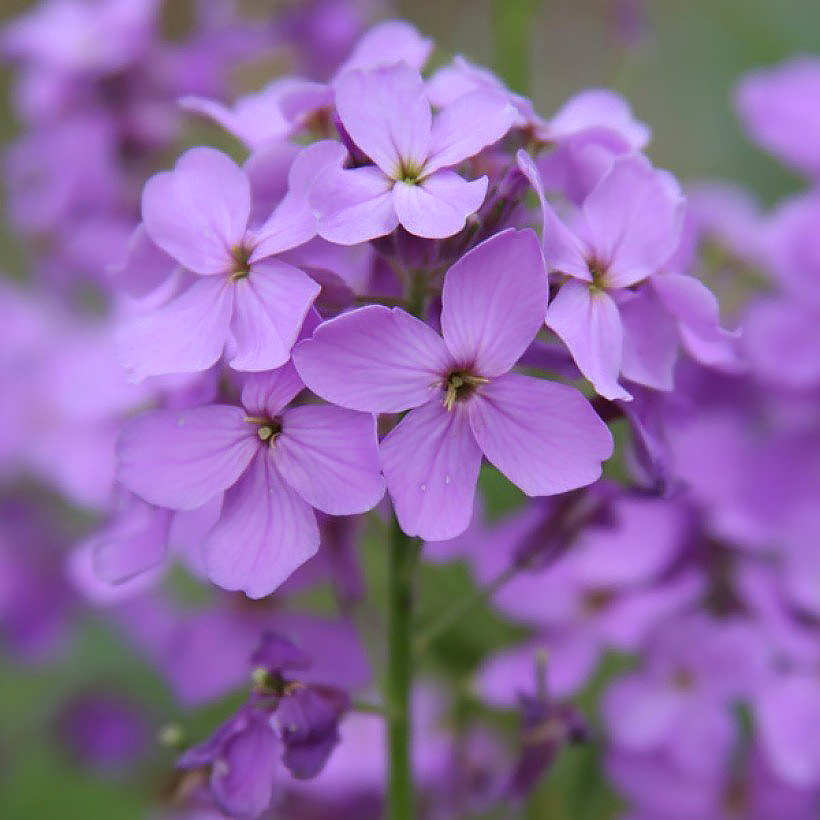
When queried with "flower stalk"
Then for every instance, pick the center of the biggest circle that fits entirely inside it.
(402, 559)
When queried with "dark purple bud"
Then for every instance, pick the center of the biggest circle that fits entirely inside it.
(276, 654)
(308, 723)
(242, 756)
(546, 728)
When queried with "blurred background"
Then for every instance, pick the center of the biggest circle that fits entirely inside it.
(677, 64)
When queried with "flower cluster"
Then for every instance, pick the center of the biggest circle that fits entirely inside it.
(400, 304)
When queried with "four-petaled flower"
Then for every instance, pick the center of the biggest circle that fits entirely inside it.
(273, 462)
(545, 437)
(242, 297)
(387, 114)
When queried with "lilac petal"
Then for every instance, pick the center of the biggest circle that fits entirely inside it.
(650, 531)
(265, 532)
(641, 714)
(375, 359)
(634, 218)
(494, 301)
(271, 304)
(354, 205)
(134, 543)
(308, 724)
(254, 119)
(303, 99)
(293, 222)
(145, 266)
(783, 342)
(267, 394)
(563, 251)
(431, 463)
(467, 126)
(698, 314)
(706, 733)
(392, 41)
(243, 784)
(598, 108)
(182, 458)
(439, 205)
(545, 437)
(198, 212)
(267, 169)
(185, 336)
(650, 341)
(330, 457)
(788, 715)
(588, 323)
(387, 114)
(777, 107)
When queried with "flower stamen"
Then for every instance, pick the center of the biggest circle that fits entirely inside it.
(459, 385)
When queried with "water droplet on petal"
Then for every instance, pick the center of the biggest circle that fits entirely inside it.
(447, 479)
(422, 487)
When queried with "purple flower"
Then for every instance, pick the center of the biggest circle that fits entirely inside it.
(274, 463)
(543, 436)
(82, 38)
(242, 757)
(776, 105)
(387, 114)
(199, 214)
(546, 727)
(626, 229)
(681, 702)
(307, 721)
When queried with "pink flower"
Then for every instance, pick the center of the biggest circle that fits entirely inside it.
(543, 436)
(199, 215)
(387, 114)
(626, 229)
(274, 464)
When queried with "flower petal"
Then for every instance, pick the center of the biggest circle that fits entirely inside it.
(545, 437)
(386, 112)
(199, 211)
(650, 340)
(135, 542)
(634, 218)
(330, 457)
(563, 251)
(698, 314)
(438, 206)
(293, 221)
(467, 126)
(598, 108)
(494, 301)
(271, 304)
(588, 323)
(431, 463)
(182, 458)
(270, 392)
(392, 41)
(265, 532)
(185, 336)
(641, 714)
(353, 205)
(375, 359)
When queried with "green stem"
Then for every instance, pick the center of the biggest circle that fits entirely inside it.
(403, 556)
